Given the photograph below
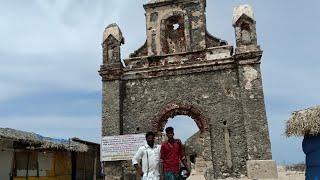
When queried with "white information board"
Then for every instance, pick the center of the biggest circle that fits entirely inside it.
(122, 147)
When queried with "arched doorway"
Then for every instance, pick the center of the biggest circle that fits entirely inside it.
(173, 109)
(200, 138)
(184, 127)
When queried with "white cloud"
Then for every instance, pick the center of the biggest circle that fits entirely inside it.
(85, 127)
(62, 72)
(51, 121)
(54, 26)
(56, 45)
(41, 52)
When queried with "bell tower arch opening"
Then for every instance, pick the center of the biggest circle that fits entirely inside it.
(174, 39)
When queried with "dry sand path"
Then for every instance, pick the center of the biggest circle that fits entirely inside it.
(196, 177)
(282, 175)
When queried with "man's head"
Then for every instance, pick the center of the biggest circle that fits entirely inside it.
(170, 133)
(150, 138)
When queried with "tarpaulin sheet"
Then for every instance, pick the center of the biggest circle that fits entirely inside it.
(311, 147)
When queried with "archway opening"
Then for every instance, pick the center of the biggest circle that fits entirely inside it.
(188, 132)
(184, 127)
(191, 127)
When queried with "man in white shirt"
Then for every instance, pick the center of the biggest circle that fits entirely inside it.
(150, 156)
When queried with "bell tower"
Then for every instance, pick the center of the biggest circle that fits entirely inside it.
(175, 26)
(244, 24)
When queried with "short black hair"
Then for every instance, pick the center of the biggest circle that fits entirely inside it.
(169, 129)
(150, 134)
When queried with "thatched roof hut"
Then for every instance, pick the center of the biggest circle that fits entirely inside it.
(304, 122)
(36, 141)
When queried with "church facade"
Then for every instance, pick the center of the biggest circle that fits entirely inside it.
(182, 69)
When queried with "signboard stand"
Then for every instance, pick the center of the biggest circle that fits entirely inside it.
(122, 147)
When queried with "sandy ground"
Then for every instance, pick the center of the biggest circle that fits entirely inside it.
(282, 174)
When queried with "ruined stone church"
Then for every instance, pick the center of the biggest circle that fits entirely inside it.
(182, 69)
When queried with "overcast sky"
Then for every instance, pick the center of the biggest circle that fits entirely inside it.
(50, 53)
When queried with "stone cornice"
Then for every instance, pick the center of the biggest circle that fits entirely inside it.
(111, 72)
(251, 57)
(158, 4)
(210, 59)
(172, 71)
(209, 54)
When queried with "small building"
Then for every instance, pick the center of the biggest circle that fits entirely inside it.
(86, 165)
(25, 155)
(306, 123)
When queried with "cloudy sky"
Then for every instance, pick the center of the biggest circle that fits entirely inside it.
(50, 53)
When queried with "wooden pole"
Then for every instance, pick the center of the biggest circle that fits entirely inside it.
(84, 174)
(27, 173)
(13, 165)
(95, 166)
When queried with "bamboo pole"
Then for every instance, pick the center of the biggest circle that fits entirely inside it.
(95, 166)
(27, 173)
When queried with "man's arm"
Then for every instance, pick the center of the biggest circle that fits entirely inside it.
(161, 170)
(138, 169)
(184, 160)
(135, 161)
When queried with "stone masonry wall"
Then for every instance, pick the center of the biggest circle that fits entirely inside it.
(177, 72)
(215, 93)
(252, 98)
(111, 114)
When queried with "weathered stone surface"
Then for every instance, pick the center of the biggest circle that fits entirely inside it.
(200, 166)
(193, 145)
(262, 169)
(244, 24)
(187, 16)
(242, 9)
(183, 70)
(114, 30)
